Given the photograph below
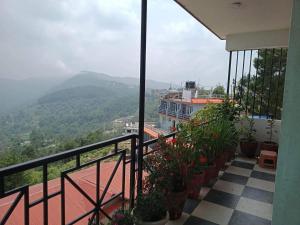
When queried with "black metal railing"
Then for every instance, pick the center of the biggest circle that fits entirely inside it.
(184, 116)
(92, 216)
(22, 193)
(171, 113)
(256, 80)
(162, 110)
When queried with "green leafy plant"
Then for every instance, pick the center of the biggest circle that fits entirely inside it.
(228, 109)
(150, 206)
(270, 128)
(247, 130)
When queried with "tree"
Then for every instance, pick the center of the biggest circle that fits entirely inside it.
(261, 93)
(219, 90)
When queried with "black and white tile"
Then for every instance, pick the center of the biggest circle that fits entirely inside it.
(242, 195)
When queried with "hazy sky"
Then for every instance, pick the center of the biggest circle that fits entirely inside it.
(62, 37)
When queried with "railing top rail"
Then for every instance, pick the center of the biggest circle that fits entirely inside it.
(62, 155)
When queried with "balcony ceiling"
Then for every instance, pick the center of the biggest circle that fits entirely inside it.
(230, 17)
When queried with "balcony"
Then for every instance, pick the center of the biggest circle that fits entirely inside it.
(172, 113)
(242, 192)
(162, 110)
(241, 189)
(184, 116)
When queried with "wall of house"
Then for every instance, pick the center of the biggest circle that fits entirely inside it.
(262, 131)
(286, 204)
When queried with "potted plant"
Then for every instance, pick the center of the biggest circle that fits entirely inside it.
(197, 180)
(151, 209)
(230, 112)
(122, 217)
(270, 145)
(194, 137)
(169, 171)
(248, 143)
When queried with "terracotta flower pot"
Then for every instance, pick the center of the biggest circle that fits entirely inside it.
(195, 184)
(211, 173)
(269, 146)
(220, 161)
(248, 148)
(175, 203)
(227, 155)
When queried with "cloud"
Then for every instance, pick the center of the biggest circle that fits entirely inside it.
(49, 37)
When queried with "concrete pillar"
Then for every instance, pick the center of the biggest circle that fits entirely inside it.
(286, 205)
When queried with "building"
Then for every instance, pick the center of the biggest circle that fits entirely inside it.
(180, 105)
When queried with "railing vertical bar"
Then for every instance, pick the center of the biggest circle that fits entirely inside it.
(132, 172)
(263, 83)
(123, 179)
(147, 149)
(270, 82)
(97, 210)
(242, 80)
(26, 206)
(2, 189)
(278, 82)
(63, 209)
(78, 160)
(45, 193)
(236, 70)
(116, 147)
(229, 73)
(248, 84)
(255, 84)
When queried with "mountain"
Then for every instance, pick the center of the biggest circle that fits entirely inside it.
(81, 104)
(93, 78)
(17, 94)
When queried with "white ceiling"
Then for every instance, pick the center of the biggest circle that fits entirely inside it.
(223, 18)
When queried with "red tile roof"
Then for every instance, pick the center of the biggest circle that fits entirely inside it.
(76, 203)
(206, 100)
(154, 132)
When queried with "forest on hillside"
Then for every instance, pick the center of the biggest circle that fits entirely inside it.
(78, 112)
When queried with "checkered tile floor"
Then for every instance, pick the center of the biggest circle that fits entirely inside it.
(242, 195)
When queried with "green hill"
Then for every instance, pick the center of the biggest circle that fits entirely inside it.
(82, 104)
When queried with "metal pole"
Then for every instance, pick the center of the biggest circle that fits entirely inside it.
(263, 83)
(236, 69)
(270, 82)
(142, 92)
(229, 73)
(255, 83)
(248, 83)
(278, 82)
(242, 80)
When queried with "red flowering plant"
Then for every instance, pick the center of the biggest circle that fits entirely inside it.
(170, 165)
